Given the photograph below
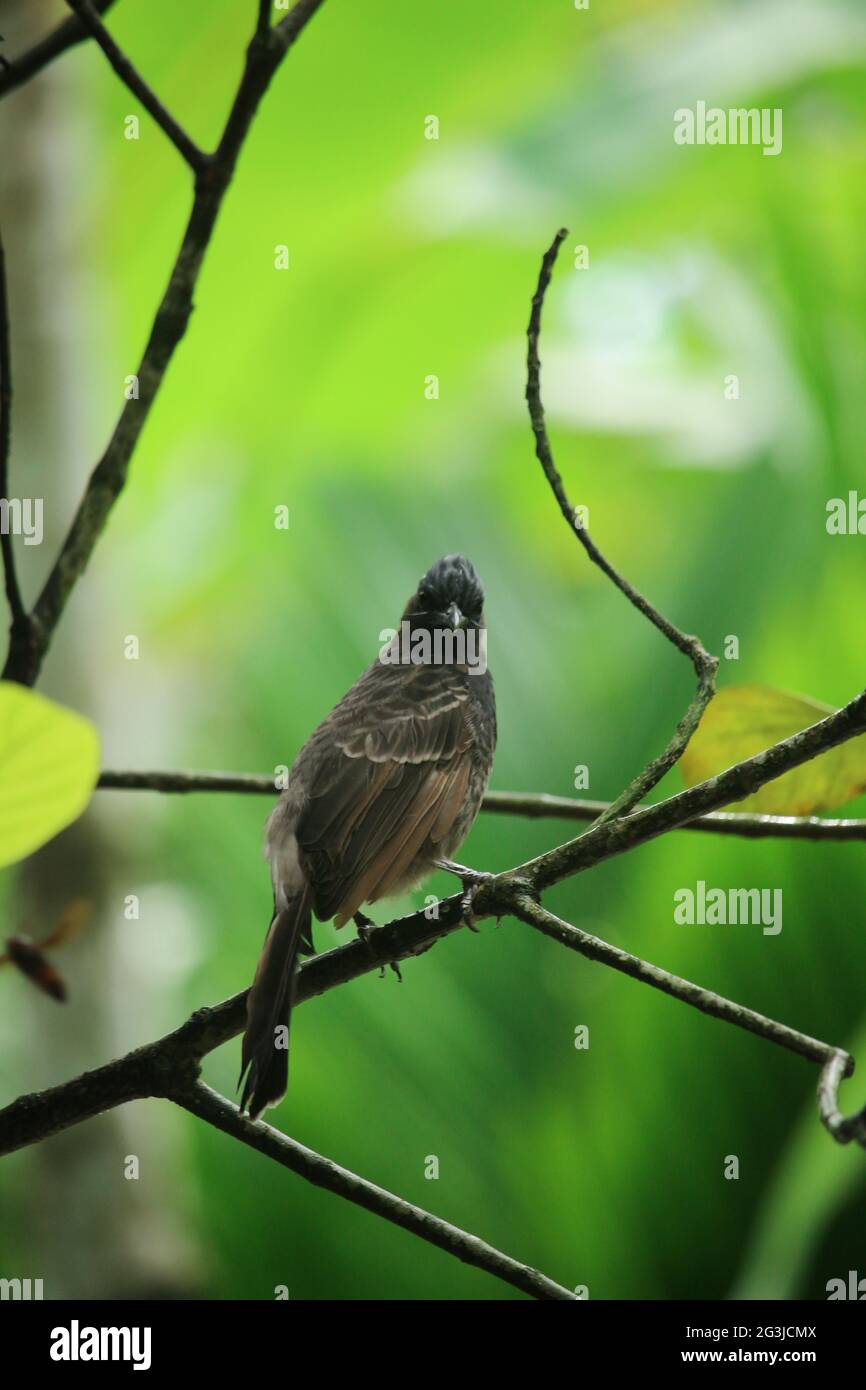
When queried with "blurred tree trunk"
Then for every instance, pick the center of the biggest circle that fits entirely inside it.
(85, 1228)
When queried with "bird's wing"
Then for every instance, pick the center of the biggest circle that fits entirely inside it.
(387, 772)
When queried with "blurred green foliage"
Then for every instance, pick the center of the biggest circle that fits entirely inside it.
(411, 257)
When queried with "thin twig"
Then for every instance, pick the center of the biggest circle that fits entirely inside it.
(542, 806)
(706, 1000)
(131, 78)
(264, 23)
(732, 785)
(66, 35)
(13, 592)
(168, 1069)
(532, 805)
(290, 26)
(216, 1110)
(704, 663)
(264, 55)
(248, 783)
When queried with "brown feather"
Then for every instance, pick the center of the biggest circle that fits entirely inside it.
(367, 815)
(387, 871)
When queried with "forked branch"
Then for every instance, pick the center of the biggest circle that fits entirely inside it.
(29, 643)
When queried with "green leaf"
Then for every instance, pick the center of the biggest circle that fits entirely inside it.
(746, 719)
(49, 763)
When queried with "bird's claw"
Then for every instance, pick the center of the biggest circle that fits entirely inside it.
(471, 886)
(472, 880)
(364, 926)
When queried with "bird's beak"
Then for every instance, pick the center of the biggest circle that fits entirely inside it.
(454, 616)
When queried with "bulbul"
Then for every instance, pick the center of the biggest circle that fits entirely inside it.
(383, 791)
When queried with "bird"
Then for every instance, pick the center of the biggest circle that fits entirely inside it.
(383, 792)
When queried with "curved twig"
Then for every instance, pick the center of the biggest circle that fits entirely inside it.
(704, 663)
(842, 1128)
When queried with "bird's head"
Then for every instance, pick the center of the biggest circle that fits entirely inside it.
(448, 596)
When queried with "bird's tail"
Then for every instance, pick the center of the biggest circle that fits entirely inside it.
(265, 1054)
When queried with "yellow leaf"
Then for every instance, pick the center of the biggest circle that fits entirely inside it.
(49, 763)
(746, 719)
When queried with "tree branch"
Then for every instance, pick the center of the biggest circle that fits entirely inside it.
(35, 1117)
(264, 23)
(735, 783)
(541, 806)
(248, 783)
(21, 627)
(263, 57)
(533, 805)
(168, 1069)
(602, 841)
(131, 78)
(66, 35)
(708, 1002)
(704, 663)
(161, 1067)
(215, 1110)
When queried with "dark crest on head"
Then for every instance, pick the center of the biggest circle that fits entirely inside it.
(452, 580)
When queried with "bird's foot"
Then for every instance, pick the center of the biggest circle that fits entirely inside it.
(364, 925)
(472, 880)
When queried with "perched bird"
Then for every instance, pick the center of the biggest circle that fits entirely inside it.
(384, 791)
